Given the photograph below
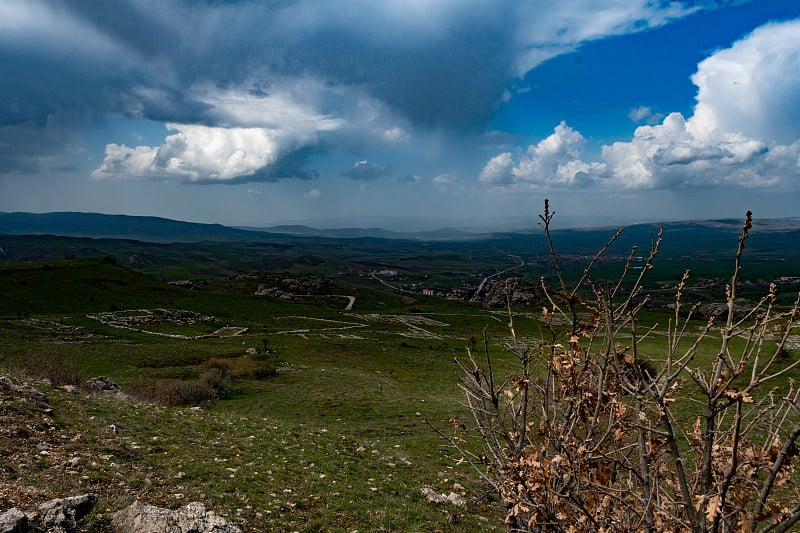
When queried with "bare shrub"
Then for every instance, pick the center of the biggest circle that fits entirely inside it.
(589, 433)
(48, 366)
(216, 374)
(216, 363)
(243, 367)
(247, 368)
(173, 392)
(264, 370)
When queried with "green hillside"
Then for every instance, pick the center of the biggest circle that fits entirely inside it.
(314, 413)
(337, 430)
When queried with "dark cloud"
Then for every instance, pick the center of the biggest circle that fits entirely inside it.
(146, 62)
(497, 139)
(65, 168)
(443, 66)
(142, 29)
(293, 165)
(25, 147)
(450, 70)
(455, 82)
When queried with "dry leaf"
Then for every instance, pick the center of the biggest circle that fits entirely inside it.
(713, 508)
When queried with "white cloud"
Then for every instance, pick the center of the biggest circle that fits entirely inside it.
(291, 106)
(645, 114)
(122, 160)
(268, 127)
(640, 113)
(564, 143)
(308, 111)
(542, 34)
(256, 130)
(747, 103)
(747, 100)
(443, 181)
(499, 170)
(555, 160)
(753, 87)
(658, 157)
(395, 134)
(312, 194)
(196, 153)
(670, 154)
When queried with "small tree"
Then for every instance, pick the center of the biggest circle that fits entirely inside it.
(588, 434)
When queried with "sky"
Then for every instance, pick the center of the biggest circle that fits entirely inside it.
(404, 114)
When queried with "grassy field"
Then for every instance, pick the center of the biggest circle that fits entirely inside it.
(331, 435)
(335, 441)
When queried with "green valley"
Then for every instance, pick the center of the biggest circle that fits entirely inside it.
(293, 382)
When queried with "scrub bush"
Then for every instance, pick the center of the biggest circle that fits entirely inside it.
(590, 433)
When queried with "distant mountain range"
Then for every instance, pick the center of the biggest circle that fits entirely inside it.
(375, 233)
(96, 225)
(163, 230)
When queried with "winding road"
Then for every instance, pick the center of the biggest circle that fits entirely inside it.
(487, 278)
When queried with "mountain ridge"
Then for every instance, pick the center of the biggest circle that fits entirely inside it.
(166, 230)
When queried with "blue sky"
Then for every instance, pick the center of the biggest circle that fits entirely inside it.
(404, 114)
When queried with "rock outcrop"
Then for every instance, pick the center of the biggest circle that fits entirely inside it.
(523, 293)
(62, 515)
(289, 287)
(106, 386)
(56, 516)
(193, 518)
(103, 384)
(8, 386)
(434, 497)
(14, 521)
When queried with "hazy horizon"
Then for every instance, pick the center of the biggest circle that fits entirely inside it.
(422, 225)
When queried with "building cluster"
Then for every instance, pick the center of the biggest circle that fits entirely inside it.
(431, 288)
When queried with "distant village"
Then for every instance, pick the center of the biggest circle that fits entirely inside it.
(466, 291)
(463, 292)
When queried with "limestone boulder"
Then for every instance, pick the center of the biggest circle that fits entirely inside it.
(192, 518)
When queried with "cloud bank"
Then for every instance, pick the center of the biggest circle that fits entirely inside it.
(196, 153)
(264, 82)
(745, 131)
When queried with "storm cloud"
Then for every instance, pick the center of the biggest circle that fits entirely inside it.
(261, 80)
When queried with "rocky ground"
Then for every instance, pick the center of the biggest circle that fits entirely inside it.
(52, 476)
